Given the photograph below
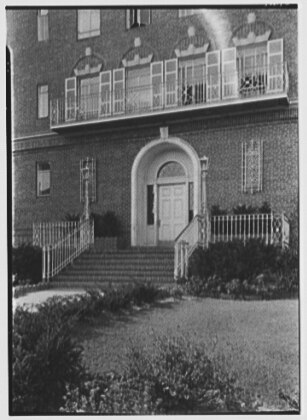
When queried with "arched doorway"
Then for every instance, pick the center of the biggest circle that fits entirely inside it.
(165, 185)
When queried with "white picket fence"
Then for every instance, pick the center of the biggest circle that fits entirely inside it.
(58, 254)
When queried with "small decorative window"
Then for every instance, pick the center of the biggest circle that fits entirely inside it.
(43, 179)
(42, 101)
(252, 166)
(42, 25)
(137, 17)
(88, 164)
(188, 12)
(88, 23)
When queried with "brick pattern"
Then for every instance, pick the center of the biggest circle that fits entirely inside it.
(50, 62)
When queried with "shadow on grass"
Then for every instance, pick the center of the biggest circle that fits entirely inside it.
(94, 327)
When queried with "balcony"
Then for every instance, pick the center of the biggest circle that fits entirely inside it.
(213, 91)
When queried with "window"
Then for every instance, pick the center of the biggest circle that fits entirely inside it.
(43, 179)
(42, 25)
(88, 23)
(42, 101)
(188, 12)
(137, 17)
(89, 95)
(192, 81)
(252, 157)
(89, 163)
(252, 67)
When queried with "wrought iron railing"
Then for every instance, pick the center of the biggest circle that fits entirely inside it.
(271, 228)
(49, 233)
(58, 255)
(203, 91)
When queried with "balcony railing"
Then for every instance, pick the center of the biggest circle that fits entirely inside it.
(222, 88)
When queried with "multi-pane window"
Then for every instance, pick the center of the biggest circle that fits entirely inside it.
(88, 23)
(88, 169)
(192, 81)
(137, 17)
(42, 101)
(43, 179)
(252, 165)
(42, 25)
(88, 99)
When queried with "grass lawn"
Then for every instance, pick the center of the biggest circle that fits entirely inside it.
(257, 340)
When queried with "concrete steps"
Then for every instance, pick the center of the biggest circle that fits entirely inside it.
(93, 268)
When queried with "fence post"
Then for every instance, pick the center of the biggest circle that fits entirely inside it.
(176, 261)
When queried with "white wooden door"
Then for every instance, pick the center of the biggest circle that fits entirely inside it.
(172, 211)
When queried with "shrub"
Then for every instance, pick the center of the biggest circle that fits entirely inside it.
(72, 217)
(176, 378)
(27, 264)
(106, 225)
(240, 270)
(44, 358)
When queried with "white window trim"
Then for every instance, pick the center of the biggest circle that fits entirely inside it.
(138, 17)
(188, 12)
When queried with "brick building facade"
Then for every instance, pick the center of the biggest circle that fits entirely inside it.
(144, 94)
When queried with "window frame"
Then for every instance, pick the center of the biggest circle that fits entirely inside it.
(188, 12)
(91, 33)
(137, 23)
(42, 25)
(40, 95)
(38, 193)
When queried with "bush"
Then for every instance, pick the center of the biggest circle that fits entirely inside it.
(27, 264)
(239, 270)
(176, 378)
(106, 225)
(44, 358)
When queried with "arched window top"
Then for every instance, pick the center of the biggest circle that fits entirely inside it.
(171, 169)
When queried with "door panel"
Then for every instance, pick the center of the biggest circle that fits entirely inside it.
(172, 211)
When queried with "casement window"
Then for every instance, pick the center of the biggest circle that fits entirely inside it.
(188, 12)
(192, 81)
(43, 179)
(42, 101)
(252, 165)
(88, 23)
(213, 76)
(88, 97)
(156, 79)
(137, 17)
(138, 89)
(42, 25)
(261, 68)
(88, 164)
(171, 82)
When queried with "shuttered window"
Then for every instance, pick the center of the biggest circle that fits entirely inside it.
(105, 87)
(229, 73)
(252, 165)
(213, 63)
(70, 98)
(171, 87)
(42, 25)
(156, 76)
(275, 66)
(90, 163)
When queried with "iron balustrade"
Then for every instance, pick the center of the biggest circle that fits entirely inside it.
(257, 82)
(272, 228)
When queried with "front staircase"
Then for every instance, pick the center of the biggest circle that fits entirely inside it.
(97, 269)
